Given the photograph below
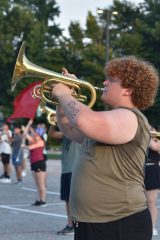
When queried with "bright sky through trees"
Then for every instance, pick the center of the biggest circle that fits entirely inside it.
(76, 10)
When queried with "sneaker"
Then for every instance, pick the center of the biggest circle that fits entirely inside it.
(66, 231)
(5, 180)
(42, 203)
(155, 232)
(39, 203)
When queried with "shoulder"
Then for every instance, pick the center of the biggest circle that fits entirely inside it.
(123, 114)
(41, 142)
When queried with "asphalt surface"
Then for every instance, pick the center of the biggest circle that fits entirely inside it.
(21, 221)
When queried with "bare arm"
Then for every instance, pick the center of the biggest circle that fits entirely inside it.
(25, 132)
(52, 132)
(29, 138)
(26, 129)
(116, 126)
(67, 127)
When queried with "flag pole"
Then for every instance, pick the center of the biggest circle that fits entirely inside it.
(24, 137)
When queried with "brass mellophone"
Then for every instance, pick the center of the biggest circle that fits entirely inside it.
(24, 68)
(51, 113)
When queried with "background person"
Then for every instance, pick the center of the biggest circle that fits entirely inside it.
(152, 179)
(17, 152)
(70, 152)
(114, 147)
(5, 150)
(42, 131)
(38, 165)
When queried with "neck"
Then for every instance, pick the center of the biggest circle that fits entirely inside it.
(126, 102)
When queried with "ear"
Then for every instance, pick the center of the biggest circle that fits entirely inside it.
(127, 92)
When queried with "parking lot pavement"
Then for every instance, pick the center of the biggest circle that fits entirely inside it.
(21, 221)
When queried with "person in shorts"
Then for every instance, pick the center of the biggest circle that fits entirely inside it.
(38, 165)
(70, 152)
(5, 150)
(152, 179)
(17, 152)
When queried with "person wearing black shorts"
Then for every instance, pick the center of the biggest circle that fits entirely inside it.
(38, 166)
(152, 180)
(70, 152)
(5, 150)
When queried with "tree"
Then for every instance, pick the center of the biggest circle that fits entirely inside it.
(21, 20)
(135, 31)
(85, 53)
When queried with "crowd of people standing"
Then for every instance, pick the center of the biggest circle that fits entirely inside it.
(19, 144)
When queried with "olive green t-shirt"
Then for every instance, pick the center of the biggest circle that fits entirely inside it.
(108, 180)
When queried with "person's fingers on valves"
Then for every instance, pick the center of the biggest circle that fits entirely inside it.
(67, 74)
(64, 71)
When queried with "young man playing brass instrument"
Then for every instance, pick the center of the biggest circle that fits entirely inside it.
(107, 195)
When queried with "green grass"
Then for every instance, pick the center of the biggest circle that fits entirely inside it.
(54, 156)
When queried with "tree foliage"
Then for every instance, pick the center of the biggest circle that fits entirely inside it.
(22, 20)
(135, 30)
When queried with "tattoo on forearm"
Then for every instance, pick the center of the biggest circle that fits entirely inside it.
(74, 109)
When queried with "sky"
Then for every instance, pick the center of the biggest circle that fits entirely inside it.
(76, 10)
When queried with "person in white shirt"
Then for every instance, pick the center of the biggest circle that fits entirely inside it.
(5, 150)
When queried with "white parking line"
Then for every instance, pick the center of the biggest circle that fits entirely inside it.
(35, 190)
(32, 211)
(29, 205)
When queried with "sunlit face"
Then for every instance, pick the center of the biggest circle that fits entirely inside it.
(112, 91)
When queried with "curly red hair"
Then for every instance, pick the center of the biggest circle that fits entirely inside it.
(137, 74)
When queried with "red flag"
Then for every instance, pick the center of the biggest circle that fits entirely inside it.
(25, 105)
